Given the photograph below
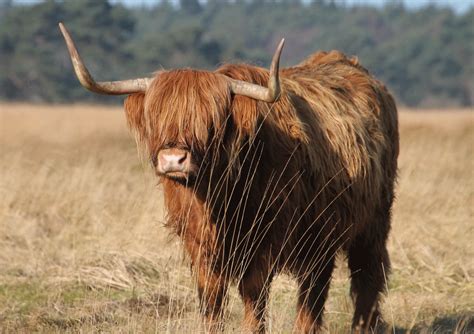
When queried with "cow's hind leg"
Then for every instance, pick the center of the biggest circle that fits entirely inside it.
(369, 265)
(313, 291)
(212, 289)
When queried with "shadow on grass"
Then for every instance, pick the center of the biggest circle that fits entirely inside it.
(457, 323)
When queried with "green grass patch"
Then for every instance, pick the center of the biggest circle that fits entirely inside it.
(21, 298)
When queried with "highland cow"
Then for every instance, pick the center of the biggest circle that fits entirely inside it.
(274, 171)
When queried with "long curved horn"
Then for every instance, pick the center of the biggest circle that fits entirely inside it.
(106, 87)
(257, 92)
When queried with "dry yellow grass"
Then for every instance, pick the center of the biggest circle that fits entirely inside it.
(82, 246)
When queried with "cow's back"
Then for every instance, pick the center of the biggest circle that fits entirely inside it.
(352, 128)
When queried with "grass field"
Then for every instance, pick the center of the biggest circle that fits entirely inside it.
(82, 246)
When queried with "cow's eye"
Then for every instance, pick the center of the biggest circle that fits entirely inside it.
(169, 145)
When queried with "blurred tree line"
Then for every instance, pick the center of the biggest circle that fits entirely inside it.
(425, 56)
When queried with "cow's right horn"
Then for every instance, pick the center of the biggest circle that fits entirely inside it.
(106, 87)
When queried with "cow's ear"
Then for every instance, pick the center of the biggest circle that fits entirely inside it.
(245, 115)
(134, 111)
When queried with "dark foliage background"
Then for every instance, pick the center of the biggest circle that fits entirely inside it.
(425, 56)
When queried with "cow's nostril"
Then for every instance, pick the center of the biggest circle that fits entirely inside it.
(183, 159)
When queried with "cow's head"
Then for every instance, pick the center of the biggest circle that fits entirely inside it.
(181, 116)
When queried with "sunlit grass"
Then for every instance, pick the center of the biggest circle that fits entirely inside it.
(82, 246)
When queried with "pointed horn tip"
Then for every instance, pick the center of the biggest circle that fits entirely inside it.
(64, 31)
(62, 27)
(277, 54)
(281, 44)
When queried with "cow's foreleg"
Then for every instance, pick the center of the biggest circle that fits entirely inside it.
(254, 288)
(212, 289)
(313, 291)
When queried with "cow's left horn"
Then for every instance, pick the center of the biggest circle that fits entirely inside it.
(106, 87)
(257, 92)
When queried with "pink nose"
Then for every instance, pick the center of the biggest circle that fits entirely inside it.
(173, 160)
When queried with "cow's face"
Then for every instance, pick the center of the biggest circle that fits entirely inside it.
(182, 119)
(180, 115)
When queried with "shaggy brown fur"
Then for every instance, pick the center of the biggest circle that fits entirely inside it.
(281, 186)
